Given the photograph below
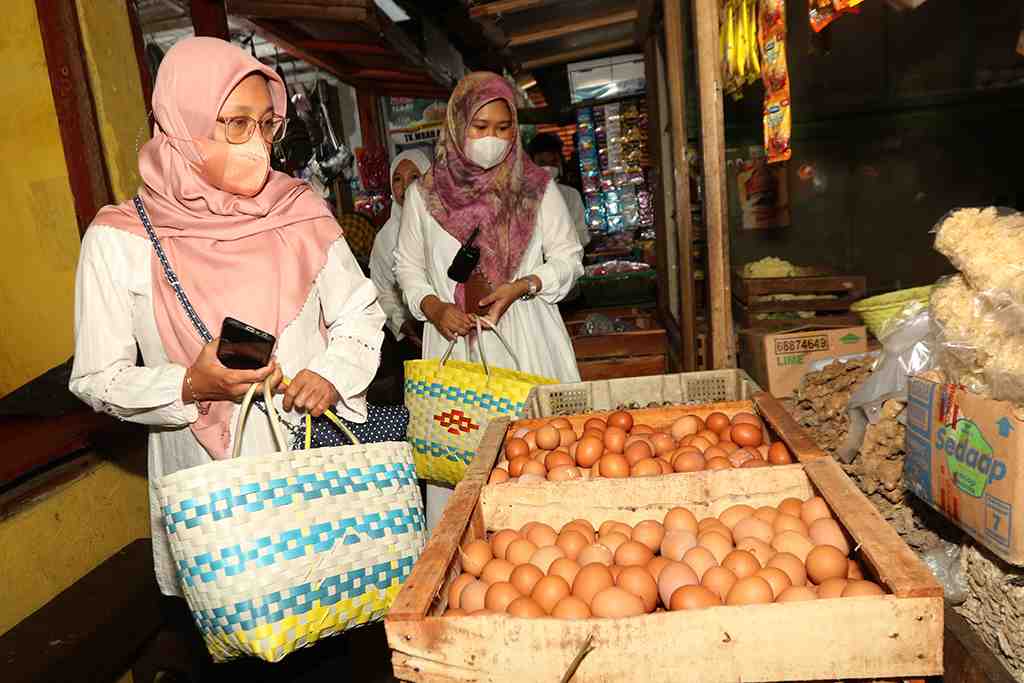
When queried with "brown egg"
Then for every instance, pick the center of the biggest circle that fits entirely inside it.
(590, 580)
(687, 440)
(622, 528)
(814, 509)
(637, 451)
(543, 558)
(663, 443)
(686, 426)
(674, 576)
(655, 566)
(754, 462)
(589, 451)
(794, 543)
(720, 581)
(832, 588)
(718, 544)
(566, 437)
(497, 570)
(536, 468)
(676, 544)
(515, 466)
(648, 467)
(499, 595)
(614, 439)
(642, 429)
(622, 420)
(560, 423)
(713, 524)
(650, 532)
(688, 461)
(741, 563)
(531, 439)
(566, 568)
(666, 467)
(746, 435)
(766, 514)
(752, 590)
(455, 613)
(752, 527)
(639, 582)
(473, 596)
(787, 522)
(612, 540)
(693, 597)
(516, 448)
(541, 534)
(475, 555)
(558, 459)
(525, 607)
(633, 554)
(778, 454)
(525, 577)
(758, 548)
(716, 422)
(595, 553)
(826, 562)
(746, 418)
(548, 438)
(613, 466)
(776, 578)
(826, 531)
(455, 590)
(540, 455)
(792, 565)
(732, 516)
(607, 527)
(728, 446)
(701, 444)
(699, 560)
(715, 452)
(571, 541)
(583, 527)
(549, 591)
(717, 464)
(680, 519)
(498, 476)
(791, 506)
(862, 589)
(741, 457)
(565, 473)
(501, 540)
(796, 594)
(595, 423)
(854, 571)
(708, 436)
(616, 603)
(571, 607)
(520, 551)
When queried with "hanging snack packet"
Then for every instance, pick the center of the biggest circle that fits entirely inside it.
(775, 74)
(777, 128)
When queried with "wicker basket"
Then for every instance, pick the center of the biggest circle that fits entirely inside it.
(688, 388)
(877, 310)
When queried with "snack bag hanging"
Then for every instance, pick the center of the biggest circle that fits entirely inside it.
(775, 74)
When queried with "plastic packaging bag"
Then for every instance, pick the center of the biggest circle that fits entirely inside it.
(944, 562)
(987, 247)
(979, 339)
(907, 349)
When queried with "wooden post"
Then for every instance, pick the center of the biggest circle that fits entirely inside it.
(210, 18)
(370, 126)
(76, 112)
(674, 58)
(145, 78)
(716, 210)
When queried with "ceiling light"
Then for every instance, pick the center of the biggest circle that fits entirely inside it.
(391, 8)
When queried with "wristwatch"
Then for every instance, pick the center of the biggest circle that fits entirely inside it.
(531, 291)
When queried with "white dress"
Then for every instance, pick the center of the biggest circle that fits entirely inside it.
(574, 202)
(382, 272)
(114, 311)
(534, 329)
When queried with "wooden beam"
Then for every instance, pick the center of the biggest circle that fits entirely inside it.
(346, 47)
(499, 7)
(289, 40)
(647, 10)
(561, 28)
(402, 44)
(716, 210)
(145, 78)
(334, 10)
(370, 127)
(675, 55)
(581, 53)
(210, 18)
(75, 109)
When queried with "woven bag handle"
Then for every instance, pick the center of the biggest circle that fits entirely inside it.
(482, 322)
(243, 414)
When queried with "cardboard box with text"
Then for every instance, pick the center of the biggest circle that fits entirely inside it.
(778, 361)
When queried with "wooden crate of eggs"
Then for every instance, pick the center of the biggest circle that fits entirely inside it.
(784, 573)
(651, 442)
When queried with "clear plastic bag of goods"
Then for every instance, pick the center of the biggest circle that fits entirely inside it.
(987, 247)
(979, 340)
(944, 562)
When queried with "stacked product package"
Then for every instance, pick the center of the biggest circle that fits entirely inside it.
(613, 161)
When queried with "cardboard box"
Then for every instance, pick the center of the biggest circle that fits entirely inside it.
(962, 460)
(778, 361)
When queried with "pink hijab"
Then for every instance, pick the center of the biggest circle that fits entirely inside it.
(251, 258)
(502, 200)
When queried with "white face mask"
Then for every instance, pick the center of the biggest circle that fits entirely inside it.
(553, 171)
(487, 152)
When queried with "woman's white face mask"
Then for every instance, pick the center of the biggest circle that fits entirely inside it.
(554, 171)
(487, 152)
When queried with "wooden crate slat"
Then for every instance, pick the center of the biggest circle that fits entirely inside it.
(842, 303)
(747, 320)
(819, 281)
(614, 368)
(892, 560)
(779, 419)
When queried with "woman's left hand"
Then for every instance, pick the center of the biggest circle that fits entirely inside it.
(309, 393)
(501, 298)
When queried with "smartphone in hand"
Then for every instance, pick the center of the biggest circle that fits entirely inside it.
(243, 347)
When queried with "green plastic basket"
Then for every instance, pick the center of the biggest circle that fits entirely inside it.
(876, 311)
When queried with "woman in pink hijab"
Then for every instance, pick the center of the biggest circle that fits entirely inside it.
(243, 241)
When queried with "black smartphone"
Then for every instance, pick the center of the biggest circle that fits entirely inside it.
(243, 347)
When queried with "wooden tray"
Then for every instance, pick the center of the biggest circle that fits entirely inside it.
(896, 636)
(846, 289)
(650, 337)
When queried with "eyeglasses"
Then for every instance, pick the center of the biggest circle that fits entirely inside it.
(239, 129)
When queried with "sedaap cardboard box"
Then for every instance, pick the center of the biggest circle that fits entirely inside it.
(778, 361)
(962, 452)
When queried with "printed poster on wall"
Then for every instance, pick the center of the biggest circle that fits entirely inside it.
(414, 122)
(763, 192)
